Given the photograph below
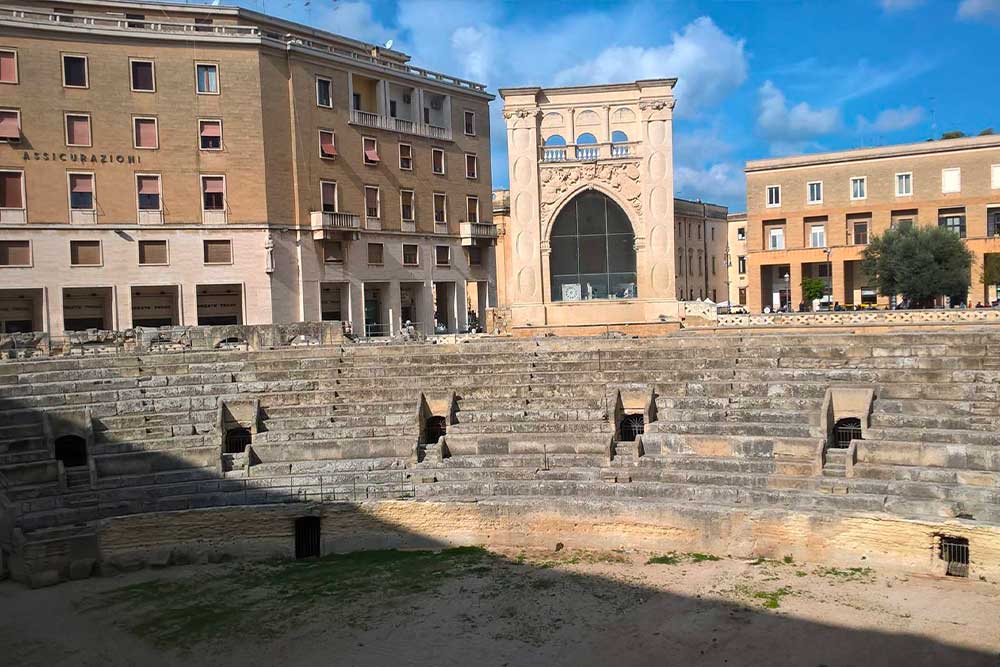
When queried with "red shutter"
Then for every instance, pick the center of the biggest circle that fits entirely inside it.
(371, 154)
(9, 126)
(213, 184)
(78, 130)
(145, 133)
(8, 67)
(149, 185)
(10, 190)
(81, 183)
(211, 129)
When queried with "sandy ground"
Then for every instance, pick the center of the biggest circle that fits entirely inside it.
(509, 608)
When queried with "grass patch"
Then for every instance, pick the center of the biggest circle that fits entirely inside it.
(701, 558)
(665, 559)
(848, 573)
(772, 599)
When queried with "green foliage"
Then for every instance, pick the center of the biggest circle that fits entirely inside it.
(988, 131)
(701, 558)
(772, 599)
(954, 134)
(920, 263)
(666, 559)
(990, 274)
(812, 289)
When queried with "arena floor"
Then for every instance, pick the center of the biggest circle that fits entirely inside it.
(471, 606)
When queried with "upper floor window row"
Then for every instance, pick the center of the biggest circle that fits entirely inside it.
(142, 73)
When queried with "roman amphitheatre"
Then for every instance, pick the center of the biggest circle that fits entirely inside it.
(282, 494)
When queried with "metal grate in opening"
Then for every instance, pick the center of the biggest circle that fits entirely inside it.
(71, 450)
(955, 552)
(435, 427)
(846, 430)
(631, 427)
(237, 440)
(307, 544)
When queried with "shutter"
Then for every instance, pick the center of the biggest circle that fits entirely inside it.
(78, 130)
(10, 190)
(213, 184)
(145, 133)
(81, 183)
(15, 253)
(9, 126)
(8, 67)
(211, 128)
(152, 252)
(149, 185)
(218, 252)
(329, 196)
(85, 253)
(371, 155)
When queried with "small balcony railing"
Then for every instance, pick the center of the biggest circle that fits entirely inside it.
(473, 233)
(380, 122)
(589, 152)
(324, 223)
(13, 215)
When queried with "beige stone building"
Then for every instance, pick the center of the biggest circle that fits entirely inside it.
(701, 236)
(812, 215)
(736, 256)
(192, 164)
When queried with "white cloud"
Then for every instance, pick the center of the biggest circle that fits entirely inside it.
(791, 129)
(892, 120)
(900, 5)
(720, 183)
(979, 10)
(709, 65)
(355, 20)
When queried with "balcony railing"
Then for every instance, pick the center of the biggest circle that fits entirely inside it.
(380, 122)
(589, 152)
(82, 216)
(474, 232)
(13, 216)
(123, 23)
(324, 223)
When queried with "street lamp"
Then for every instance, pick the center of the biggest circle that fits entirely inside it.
(829, 275)
(788, 290)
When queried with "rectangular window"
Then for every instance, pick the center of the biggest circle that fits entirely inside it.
(475, 254)
(861, 233)
(472, 208)
(411, 254)
(817, 236)
(333, 251)
(148, 192)
(773, 196)
(437, 160)
(471, 166)
(136, 20)
(85, 253)
(405, 157)
(327, 144)
(859, 187)
(741, 233)
(375, 252)
(213, 190)
(741, 264)
(207, 76)
(75, 71)
(356, 101)
(406, 199)
(324, 98)
(8, 66)
(904, 184)
(776, 238)
(470, 123)
(78, 130)
(951, 180)
(370, 148)
(218, 251)
(440, 207)
(210, 135)
(152, 253)
(328, 194)
(81, 192)
(143, 76)
(145, 134)
(815, 192)
(11, 189)
(10, 125)
(903, 219)
(953, 219)
(442, 255)
(15, 253)
(372, 202)
(995, 177)
(993, 221)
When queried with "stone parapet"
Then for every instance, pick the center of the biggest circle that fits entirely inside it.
(863, 317)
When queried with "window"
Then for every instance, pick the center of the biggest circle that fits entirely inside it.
(773, 196)
(375, 253)
(437, 160)
(861, 233)
(207, 76)
(470, 123)
(815, 192)
(145, 134)
(471, 166)
(328, 196)
(218, 251)
(81, 192)
(741, 233)
(75, 71)
(713, 265)
(475, 254)
(442, 255)
(213, 189)
(356, 101)
(136, 20)
(440, 207)
(411, 254)
(10, 125)
(903, 219)
(152, 253)
(85, 253)
(78, 130)
(904, 184)
(776, 238)
(143, 76)
(406, 199)
(995, 177)
(15, 253)
(405, 157)
(472, 208)
(210, 135)
(372, 202)
(327, 145)
(11, 189)
(8, 66)
(324, 98)
(148, 191)
(951, 180)
(993, 221)
(817, 236)
(333, 251)
(203, 25)
(741, 264)
(370, 148)
(953, 219)
(859, 187)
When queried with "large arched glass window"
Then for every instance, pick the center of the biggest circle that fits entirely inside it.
(593, 251)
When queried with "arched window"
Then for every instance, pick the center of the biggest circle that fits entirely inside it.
(593, 251)
(435, 427)
(618, 137)
(586, 139)
(237, 440)
(554, 149)
(71, 450)
(846, 430)
(631, 427)
(586, 147)
(555, 140)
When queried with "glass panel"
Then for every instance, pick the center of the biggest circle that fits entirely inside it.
(594, 286)
(564, 259)
(591, 214)
(566, 222)
(566, 288)
(617, 220)
(621, 253)
(623, 286)
(593, 254)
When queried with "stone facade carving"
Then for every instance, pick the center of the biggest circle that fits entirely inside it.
(656, 105)
(620, 177)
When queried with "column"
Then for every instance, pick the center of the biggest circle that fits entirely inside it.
(795, 286)
(56, 324)
(977, 290)
(356, 306)
(461, 306)
(395, 303)
(122, 296)
(189, 304)
(425, 308)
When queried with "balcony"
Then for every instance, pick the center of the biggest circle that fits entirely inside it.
(149, 217)
(325, 224)
(478, 233)
(589, 152)
(13, 216)
(82, 217)
(380, 122)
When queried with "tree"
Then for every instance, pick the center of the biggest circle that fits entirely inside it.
(988, 131)
(812, 289)
(954, 134)
(921, 263)
(990, 274)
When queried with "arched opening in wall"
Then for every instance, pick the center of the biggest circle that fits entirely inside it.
(618, 141)
(618, 137)
(434, 428)
(554, 149)
(593, 251)
(71, 450)
(237, 440)
(586, 147)
(555, 140)
(307, 537)
(631, 427)
(844, 431)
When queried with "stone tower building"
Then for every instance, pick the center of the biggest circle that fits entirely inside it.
(591, 205)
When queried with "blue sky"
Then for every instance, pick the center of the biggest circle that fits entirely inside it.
(756, 79)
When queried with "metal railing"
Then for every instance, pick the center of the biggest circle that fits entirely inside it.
(478, 230)
(124, 23)
(320, 220)
(589, 152)
(380, 122)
